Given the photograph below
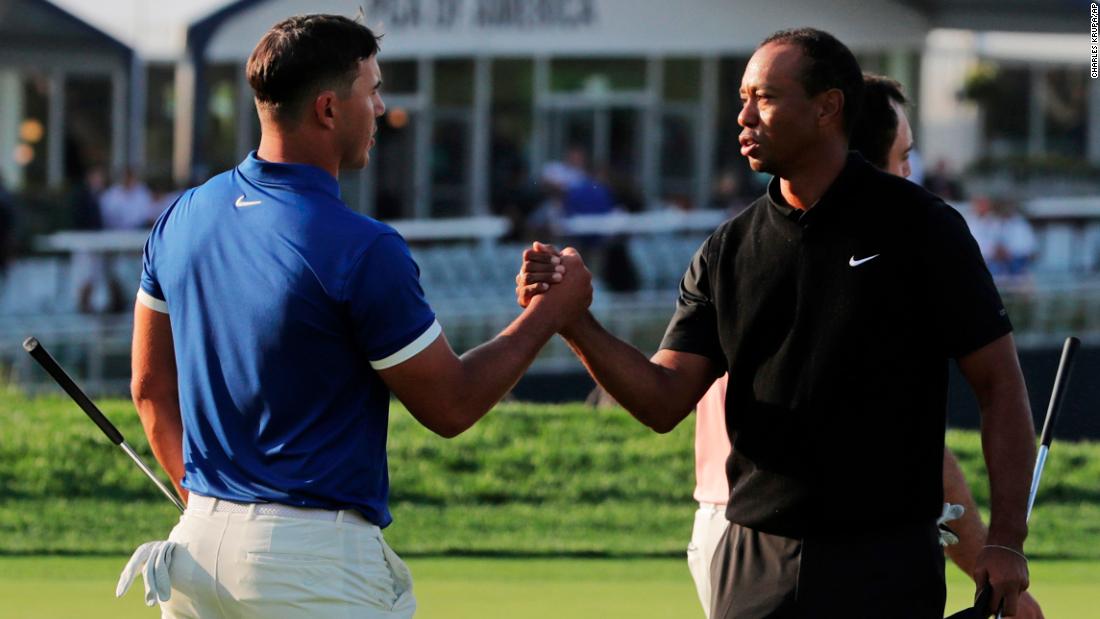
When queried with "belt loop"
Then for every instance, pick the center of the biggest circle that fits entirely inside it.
(340, 516)
(252, 511)
(211, 506)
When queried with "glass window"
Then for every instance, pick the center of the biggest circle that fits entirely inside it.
(510, 141)
(513, 81)
(678, 136)
(597, 75)
(399, 77)
(392, 164)
(31, 151)
(626, 130)
(1066, 112)
(454, 82)
(221, 118)
(683, 79)
(160, 114)
(88, 118)
(1005, 103)
(450, 161)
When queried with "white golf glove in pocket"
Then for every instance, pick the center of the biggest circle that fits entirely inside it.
(951, 511)
(152, 559)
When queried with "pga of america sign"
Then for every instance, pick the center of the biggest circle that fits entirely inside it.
(396, 15)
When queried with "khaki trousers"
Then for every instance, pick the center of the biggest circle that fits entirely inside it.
(710, 524)
(246, 565)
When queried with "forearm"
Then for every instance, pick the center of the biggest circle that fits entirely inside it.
(649, 391)
(160, 418)
(489, 371)
(969, 527)
(1008, 441)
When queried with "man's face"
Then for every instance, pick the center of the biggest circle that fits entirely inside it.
(897, 160)
(778, 119)
(360, 112)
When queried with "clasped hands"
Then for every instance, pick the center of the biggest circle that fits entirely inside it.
(558, 278)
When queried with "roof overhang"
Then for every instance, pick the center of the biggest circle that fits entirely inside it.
(1032, 16)
(572, 27)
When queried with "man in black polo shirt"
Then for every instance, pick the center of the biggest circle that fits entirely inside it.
(834, 302)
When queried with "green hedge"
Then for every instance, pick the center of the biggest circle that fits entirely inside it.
(528, 480)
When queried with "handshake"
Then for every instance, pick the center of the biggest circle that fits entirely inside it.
(557, 281)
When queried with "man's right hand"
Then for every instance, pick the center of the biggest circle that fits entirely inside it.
(570, 297)
(1028, 608)
(542, 268)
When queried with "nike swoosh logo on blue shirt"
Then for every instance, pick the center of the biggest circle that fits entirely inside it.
(240, 203)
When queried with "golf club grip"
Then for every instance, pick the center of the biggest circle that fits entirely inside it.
(1061, 380)
(36, 350)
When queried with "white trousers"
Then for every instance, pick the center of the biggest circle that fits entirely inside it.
(710, 524)
(246, 565)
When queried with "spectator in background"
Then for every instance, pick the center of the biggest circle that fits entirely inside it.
(127, 205)
(1021, 244)
(727, 194)
(88, 267)
(1004, 236)
(942, 182)
(585, 194)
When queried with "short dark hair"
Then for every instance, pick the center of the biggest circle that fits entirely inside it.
(877, 125)
(831, 65)
(303, 55)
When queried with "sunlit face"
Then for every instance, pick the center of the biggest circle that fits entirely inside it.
(897, 160)
(359, 114)
(778, 119)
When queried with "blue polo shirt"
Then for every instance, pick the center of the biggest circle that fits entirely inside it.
(283, 304)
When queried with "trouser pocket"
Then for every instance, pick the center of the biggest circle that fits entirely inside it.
(405, 604)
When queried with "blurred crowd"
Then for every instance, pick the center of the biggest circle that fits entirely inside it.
(540, 207)
(94, 205)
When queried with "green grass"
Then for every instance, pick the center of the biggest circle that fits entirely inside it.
(527, 481)
(465, 588)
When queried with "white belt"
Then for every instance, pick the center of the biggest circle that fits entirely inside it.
(209, 505)
(712, 506)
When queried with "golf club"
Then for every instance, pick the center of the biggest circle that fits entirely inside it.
(1061, 381)
(36, 350)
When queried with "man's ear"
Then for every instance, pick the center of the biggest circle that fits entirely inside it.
(324, 109)
(830, 107)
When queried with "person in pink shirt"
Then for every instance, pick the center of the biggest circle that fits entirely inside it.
(712, 491)
(884, 137)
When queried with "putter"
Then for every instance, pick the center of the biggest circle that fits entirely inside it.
(1061, 381)
(36, 350)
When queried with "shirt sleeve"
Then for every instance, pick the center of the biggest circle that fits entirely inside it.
(968, 309)
(391, 318)
(694, 326)
(150, 294)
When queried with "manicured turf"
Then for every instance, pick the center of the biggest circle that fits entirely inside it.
(527, 480)
(543, 485)
(456, 588)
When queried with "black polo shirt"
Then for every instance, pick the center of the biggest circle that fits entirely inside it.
(836, 326)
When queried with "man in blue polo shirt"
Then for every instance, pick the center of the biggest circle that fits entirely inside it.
(272, 324)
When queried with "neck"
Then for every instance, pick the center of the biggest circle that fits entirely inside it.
(281, 147)
(804, 188)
